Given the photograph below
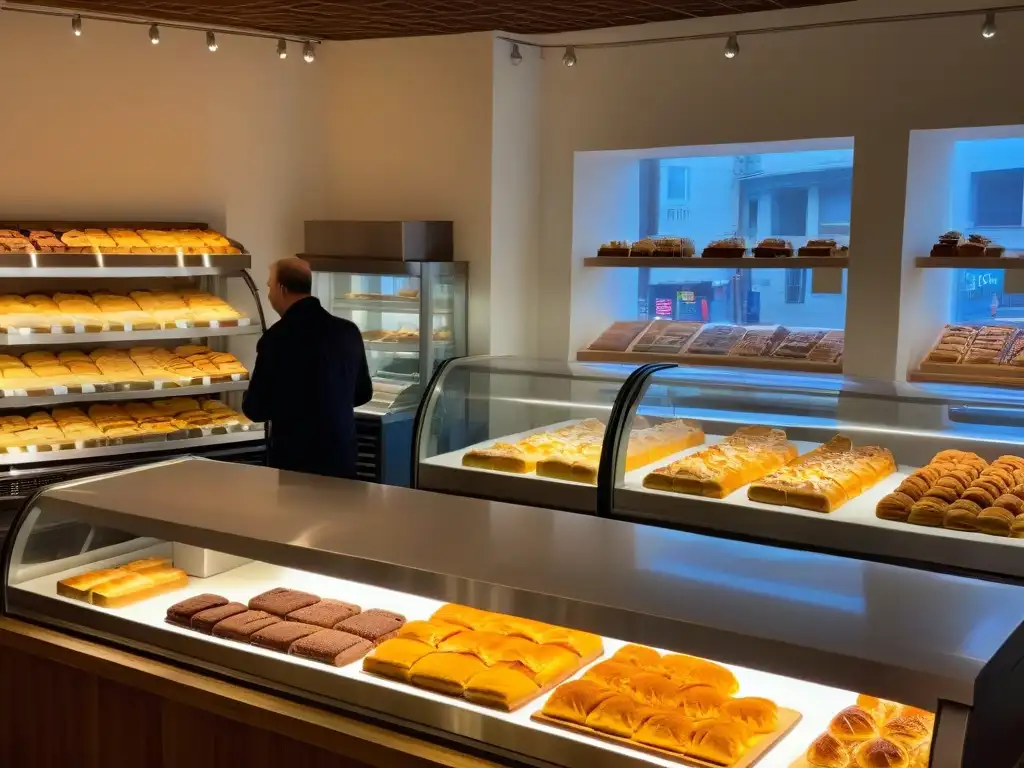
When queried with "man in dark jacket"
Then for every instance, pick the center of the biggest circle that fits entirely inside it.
(310, 374)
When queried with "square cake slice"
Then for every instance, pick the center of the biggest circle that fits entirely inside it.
(374, 625)
(281, 601)
(205, 621)
(180, 614)
(329, 646)
(242, 626)
(326, 613)
(279, 637)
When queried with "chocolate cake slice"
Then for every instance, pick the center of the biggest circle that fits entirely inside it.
(374, 625)
(242, 626)
(282, 601)
(329, 646)
(325, 614)
(279, 637)
(205, 621)
(180, 614)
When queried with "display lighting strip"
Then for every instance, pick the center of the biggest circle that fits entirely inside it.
(154, 26)
(732, 43)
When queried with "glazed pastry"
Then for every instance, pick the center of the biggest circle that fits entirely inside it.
(429, 632)
(446, 672)
(132, 587)
(929, 511)
(637, 655)
(701, 702)
(612, 674)
(80, 587)
(760, 715)
(720, 742)
(995, 521)
(619, 715)
(667, 730)
(896, 506)
(853, 725)
(575, 700)
(880, 753)
(394, 658)
(909, 730)
(882, 710)
(1011, 503)
(828, 752)
(655, 690)
(501, 688)
(961, 518)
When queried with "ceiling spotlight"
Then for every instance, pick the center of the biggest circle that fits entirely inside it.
(569, 59)
(732, 47)
(76, 25)
(308, 52)
(517, 56)
(154, 34)
(282, 49)
(211, 41)
(988, 29)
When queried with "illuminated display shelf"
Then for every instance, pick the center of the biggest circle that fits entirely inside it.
(696, 262)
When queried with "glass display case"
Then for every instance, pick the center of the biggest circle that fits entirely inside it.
(397, 282)
(782, 642)
(929, 475)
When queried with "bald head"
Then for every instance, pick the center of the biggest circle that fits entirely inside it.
(290, 280)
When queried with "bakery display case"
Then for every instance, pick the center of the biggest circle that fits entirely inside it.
(928, 475)
(533, 636)
(527, 431)
(397, 282)
(114, 341)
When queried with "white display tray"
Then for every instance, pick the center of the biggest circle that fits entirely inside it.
(817, 703)
(853, 528)
(23, 337)
(22, 398)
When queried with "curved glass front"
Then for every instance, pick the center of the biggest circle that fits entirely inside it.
(931, 474)
(527, 431)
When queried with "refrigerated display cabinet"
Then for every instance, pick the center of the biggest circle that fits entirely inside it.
(809, 631)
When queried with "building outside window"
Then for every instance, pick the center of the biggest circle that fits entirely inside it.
(794, 195)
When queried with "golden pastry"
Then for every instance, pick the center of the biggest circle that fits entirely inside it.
(429, 632)
(655, 690)
(486, 646)
(132, 587)
(1017, 528)
(980, 496)
(462, 615)
(970, 506)
(914, 487)
(882, 710)
(909, 730)
(547, 664)
(760, 715)
(929, 511)
(394, 658)
(895, 506)
(715, 675)
(956, 484)
(500, 688)
(619, 715)
(828, 752)
(638, 655)
(667, 730)
(960, 519)
(1010, 502)
(995, 521)
(575, 700)
(446, 672)
(720, 742)
(853, 725)
(701, 702)
(880, 753)
(948, 495)
(612, 674)
(678, 666)
(80, 587)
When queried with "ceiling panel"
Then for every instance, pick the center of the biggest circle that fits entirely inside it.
(359, 19)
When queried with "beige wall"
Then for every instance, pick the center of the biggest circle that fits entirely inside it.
(110, 126)
(875, 83)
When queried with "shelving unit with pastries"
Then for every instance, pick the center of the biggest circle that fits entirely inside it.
(687, 686)
(113, 348)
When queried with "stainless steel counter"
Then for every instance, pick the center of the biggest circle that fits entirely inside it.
(913, 636)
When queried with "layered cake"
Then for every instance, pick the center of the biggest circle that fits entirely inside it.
(773, 248)
(728, 248)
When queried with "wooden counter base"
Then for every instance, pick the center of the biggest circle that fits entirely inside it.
(69, 702)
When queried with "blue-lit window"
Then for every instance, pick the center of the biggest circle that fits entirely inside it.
(794, 195)
(987, 186)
